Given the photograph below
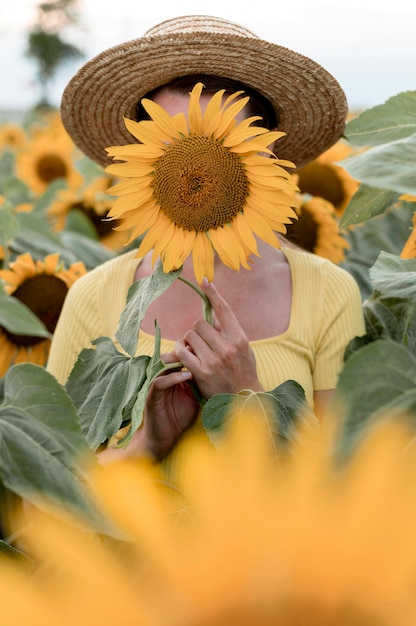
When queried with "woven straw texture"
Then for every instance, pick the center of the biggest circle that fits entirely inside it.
(310, 102)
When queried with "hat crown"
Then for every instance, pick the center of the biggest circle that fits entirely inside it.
(197, 24)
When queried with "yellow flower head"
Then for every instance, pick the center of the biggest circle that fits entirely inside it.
(201, 184)
(49, 156)
(317, 230)
(42, 286)
(12, 137)
(94, 203)
(325, 178)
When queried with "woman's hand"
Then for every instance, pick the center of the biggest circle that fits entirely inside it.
(171, 408)
(219, 357)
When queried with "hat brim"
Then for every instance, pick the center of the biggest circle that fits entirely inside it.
(311, 104)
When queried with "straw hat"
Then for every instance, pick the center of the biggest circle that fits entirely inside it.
(311, 104)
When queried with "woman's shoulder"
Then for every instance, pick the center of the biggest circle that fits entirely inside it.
(304, 260)
(318, 276)
(119, 268)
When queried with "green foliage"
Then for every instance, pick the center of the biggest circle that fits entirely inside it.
(387, 232)
(382, 124)
(377, 381)
(104, 385)
(44, 454)
(47, 46)
(18, 319)
(50, 51)
(281, 409)
(386, 167)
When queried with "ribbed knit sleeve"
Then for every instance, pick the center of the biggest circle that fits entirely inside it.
(341, 320)
(92, 309)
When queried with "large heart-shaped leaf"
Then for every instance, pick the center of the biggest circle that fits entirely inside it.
(280, 408)
(43, 454)
(388, 166)
(103, 385)
(379, 378)
(395, 119)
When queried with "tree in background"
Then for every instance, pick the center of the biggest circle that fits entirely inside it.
(46, 45)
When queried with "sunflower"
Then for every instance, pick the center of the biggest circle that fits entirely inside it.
(46, 158)
(257, 540)
(42, 286)
(12, 137)
(94, 203)
(324, 178)
(201, 184)
(317, 230)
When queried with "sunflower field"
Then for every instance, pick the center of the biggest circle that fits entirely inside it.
(307, 524)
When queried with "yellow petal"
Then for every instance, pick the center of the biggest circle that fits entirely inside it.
(243, 132)
(146, 131)
(173, 126)
(226, 245)
(203, 258)
(130, 186)
(212, 113)
(194, 110)
(261, 228)
(228, 118)
(244, 232)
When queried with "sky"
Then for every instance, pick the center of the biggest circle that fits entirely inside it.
(368, 45)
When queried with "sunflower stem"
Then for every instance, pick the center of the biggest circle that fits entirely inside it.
(206, 305)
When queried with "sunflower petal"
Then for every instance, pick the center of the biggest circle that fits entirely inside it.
(203, 258)
(173, 126)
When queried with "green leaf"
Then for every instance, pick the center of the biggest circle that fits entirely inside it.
(395, 119)
(140, 295)
(43, 456)
(78, 222)
(378, 379)
(387, 232)
(34, 236)
(18, 319)
(281, 409)
(154, 368)
(392, 319)
(85, 249)
(388, 166)
(394, 277)
(367, 202)
(104, 385)
(15, 190)
(42, 202)
(9, 225)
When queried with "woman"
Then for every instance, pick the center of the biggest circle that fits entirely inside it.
(292, 314)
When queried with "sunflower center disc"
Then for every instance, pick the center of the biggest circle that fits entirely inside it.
(50, 167)
(199, 184)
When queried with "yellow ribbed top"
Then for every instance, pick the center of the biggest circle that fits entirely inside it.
(326, 313)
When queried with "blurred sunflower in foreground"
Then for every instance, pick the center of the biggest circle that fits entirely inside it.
(93, 203)
(42, 286)
(254, 540)
(317, 230)
(325, 178)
